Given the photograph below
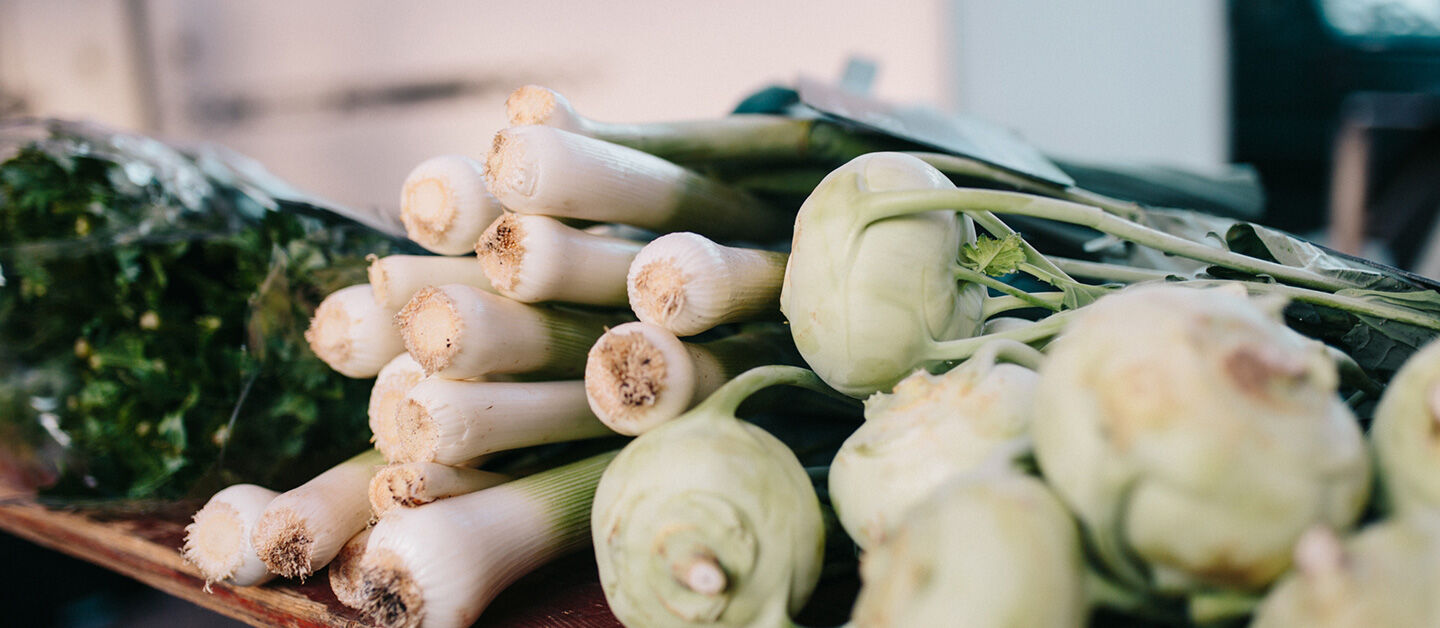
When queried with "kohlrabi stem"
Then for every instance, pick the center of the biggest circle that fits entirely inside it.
(965, 167)
(732, 394)
(1009, 351)
(1001, 304)
(881, 205)
(966, 347)
(972, 276)
(1217, 607)
(1345, 303)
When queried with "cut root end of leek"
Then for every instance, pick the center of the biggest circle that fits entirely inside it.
(304, 528)
(688, 284)
(415, 484)
(353, 334)
(445, 206)
(217, 542)
(537, 258)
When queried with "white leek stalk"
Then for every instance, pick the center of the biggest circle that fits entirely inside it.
(688, 284)
(353, 334)
(639, 375)
(1386, 575)
(445, 205)
(217, 542)
(346, 579)
(415, 484)
(1406, 433)
(1195, 437)
(930, 429)
(993, 549)
(461, 332)
(391, 384)
(708, 520)
(453, 422)
(536, 258)
(542, 170)
(396, 278)
(440, 565)
(304, 528)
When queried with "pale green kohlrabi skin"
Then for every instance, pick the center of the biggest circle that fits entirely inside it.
(1387, 575)
(1196, 438)
(929, 429)
(702, 492)
(986, 550)
(867, 300)
(1406, 434)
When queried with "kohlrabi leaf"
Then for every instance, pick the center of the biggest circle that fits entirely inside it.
(1270, 244)
(992, 256)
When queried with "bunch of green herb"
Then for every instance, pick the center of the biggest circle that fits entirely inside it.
(151, 320)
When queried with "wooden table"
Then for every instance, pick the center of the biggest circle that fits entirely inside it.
(144, 545)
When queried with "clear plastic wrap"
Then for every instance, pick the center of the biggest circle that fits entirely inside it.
(153, 302)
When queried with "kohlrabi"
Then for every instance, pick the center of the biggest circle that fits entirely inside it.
(1406, 434)
(1196, 438)
(989, 549)
(1386, 575)
(708, 520)
(930, 429)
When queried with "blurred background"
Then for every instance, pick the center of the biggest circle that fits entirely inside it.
(1333, 106)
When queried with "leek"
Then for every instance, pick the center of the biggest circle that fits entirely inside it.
(445, 205)
(303, 529)
(217, 542)
(537, 258)
(688, 284)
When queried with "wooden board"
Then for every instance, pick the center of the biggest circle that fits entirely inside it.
(145, 546)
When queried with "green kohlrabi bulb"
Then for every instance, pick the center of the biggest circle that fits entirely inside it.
(1387, 575)
(929, 429)
(986, 550)
(1406, 433)
(866, 299)
(1196, 438)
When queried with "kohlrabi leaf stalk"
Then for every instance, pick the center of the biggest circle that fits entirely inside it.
(460, 332)
(445, 205)
(639, 375)
(1196, 438)
(930, 429)
(688, 284)
(352, 333)
(546, 171)
(708, 520)
(303, 529)
(533, 258)
(396, 278)
(453, 422)
(217, 541)
(440, 565)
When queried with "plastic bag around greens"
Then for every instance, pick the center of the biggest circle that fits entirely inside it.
(153, 303)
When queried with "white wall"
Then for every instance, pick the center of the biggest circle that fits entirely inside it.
(1138, 80)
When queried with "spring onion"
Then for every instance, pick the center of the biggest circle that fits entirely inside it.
(453, 422)
(709, 520)
(415, 484)
(217, 542)
(445, 206)
(639, 375)
(391, 384)
(993, 549)
(931, 428)
(1195, 437)
(1386, 575)
(546, 171)
(353, 334)
(1405, 433)
(346, 580)
(304, 528)
(688, 284)
(536, 258)
(441, 564)
(396, 278)
(461, 332)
